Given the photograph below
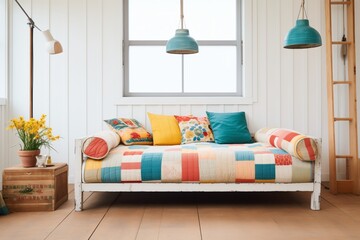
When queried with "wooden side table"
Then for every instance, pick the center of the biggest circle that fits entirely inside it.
(35, 189)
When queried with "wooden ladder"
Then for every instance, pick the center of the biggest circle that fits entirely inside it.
(349, 183)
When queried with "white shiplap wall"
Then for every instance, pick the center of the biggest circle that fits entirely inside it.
(83, 85)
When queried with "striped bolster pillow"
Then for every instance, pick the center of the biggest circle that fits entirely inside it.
(296, 144)
(99, 145)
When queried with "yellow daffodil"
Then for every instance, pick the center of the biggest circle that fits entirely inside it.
(33, 133)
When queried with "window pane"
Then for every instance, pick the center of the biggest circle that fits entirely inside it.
(213, 69)
(211, 19)
(206, 19)
(151, 69)
(153, 20)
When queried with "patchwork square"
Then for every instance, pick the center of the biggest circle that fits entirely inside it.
(151, 166)
(111, 174)
(207, 170)
(171, 166)
(283, 159)
(244, 155)
(283, 173)
(265, 171)
(245, 172)
(190, 167)
(264, 158)
(130, 175)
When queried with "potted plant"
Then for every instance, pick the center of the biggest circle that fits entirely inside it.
(33, 134)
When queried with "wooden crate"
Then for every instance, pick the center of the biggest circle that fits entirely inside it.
(35, 189)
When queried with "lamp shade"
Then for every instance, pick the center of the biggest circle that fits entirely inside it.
(182, 43)
(302, 36)
(52, 46)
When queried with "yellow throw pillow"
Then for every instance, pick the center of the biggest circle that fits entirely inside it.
(165, 129)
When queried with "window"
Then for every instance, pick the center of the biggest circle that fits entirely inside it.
(215, 71)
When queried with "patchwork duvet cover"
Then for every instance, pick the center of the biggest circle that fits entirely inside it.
(198, 163)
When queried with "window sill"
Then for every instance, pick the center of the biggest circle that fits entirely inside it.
(184, 100)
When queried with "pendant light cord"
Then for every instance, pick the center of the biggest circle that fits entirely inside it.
(302, 10)
(181, 14)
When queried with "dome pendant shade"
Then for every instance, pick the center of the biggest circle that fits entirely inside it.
(182, 43)
(302, 36)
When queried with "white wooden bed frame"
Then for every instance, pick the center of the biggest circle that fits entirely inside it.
(81, 186)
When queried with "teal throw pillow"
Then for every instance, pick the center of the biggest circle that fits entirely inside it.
(229, 127)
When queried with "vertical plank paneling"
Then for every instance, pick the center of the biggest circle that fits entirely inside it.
(139, 113)
(3, 49)
(94, 66)
(324, 101)
(2, 139)
(259, 108)
(171, 109)
(58, 86)
(112, 55)
(273, 44)
(124, 111)
(185, 109)
(215, 108)
(3, 88)
(40, 9)
(198, 110)
(248, 53)
(357, 36)
(287, 68)
(77, 74)
(231, 108)
(314, 76)
(254, 55)
(19, 72)
(300, 95)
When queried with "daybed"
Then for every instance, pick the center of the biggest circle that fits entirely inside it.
(279, 160)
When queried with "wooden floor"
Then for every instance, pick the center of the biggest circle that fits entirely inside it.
(188, 216)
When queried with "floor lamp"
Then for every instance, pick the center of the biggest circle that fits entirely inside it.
(53, 47)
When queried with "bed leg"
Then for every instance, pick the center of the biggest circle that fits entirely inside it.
(78, 197)
(315, 196)
(78, 176)
(315, 200)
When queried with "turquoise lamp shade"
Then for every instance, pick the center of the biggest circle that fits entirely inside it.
(182, 43)
(302, 36)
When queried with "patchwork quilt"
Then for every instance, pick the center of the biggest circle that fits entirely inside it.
(198, 163)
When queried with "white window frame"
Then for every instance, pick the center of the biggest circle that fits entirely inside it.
(238, 96)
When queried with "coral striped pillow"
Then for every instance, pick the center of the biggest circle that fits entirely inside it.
(99, 145)
(298, 145)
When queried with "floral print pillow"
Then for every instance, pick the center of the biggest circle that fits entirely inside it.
(194, 129)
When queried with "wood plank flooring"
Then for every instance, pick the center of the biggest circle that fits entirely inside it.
(171, 216)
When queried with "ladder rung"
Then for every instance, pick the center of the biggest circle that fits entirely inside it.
(342, 42)
(341, 3)
(343, 156)
(341, 82)
(342, 119)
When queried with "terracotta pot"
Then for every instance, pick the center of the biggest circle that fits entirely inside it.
(28, 158)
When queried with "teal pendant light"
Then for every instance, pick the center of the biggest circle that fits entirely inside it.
(302, 35)
(182, 43)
